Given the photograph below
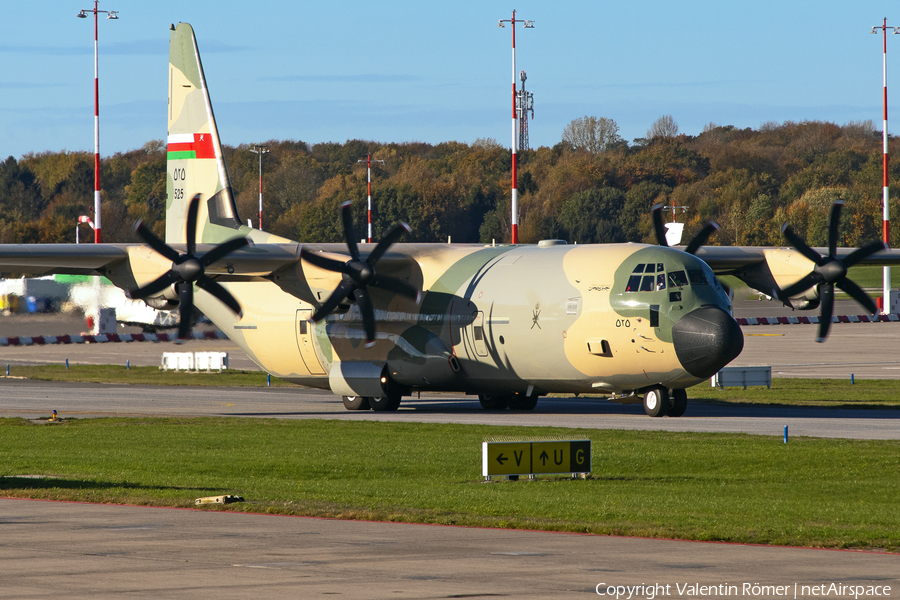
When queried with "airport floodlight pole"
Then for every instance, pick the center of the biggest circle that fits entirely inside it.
(369, 162)
(260, 150)
(110, 14)
(886, 281)
(515, 129)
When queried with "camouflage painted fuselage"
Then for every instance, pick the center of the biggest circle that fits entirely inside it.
(492, 319)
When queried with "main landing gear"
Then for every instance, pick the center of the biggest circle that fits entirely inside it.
(658, 402)
(513, 401)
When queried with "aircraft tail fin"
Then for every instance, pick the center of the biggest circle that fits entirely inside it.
(195, 164)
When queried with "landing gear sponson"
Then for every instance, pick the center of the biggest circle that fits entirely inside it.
(658, 402)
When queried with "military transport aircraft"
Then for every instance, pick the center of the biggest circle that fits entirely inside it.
(376, 322)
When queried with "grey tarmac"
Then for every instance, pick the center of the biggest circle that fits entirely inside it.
(51, 550)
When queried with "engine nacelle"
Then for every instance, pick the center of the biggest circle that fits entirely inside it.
(367, 379)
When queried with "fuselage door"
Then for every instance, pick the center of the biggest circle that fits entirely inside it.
(478, 334)
(306, 343)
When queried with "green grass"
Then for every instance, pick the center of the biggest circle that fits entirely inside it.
(833, 393)
(142, 376)
(737, 488)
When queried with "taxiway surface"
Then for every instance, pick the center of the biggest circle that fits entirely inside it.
(88, 551)
(51, 550)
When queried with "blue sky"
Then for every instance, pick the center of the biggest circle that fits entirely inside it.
(428, 71)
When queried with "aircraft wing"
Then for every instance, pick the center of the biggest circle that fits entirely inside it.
(769, 269)
(96, 259)
(65, 259)
(730, 260)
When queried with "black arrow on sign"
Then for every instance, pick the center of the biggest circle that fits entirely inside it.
(501, 458)
(544, 456)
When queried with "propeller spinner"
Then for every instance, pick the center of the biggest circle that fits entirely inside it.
(188, 269)
(358, 274)
(830, 271)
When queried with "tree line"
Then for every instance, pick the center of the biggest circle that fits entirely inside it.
(591, 187)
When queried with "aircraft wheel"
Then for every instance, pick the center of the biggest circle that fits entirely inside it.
(520, 401)
(356, 403)
(656, 401)
(679, 403)
(493, 401)
(388, 403)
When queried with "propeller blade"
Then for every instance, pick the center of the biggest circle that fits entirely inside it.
(215, 288)
(155, 286)
(398, 286)
(858, 294)
(155, 243)
(701, 237)
(387, 241)
(337, 296)
(797, 242)
(349, 231)
(863, 253)
(834, 222)
(800, 286)
(323, 262)
(368, 315)
(826, 295)
(658, 227)
(191, 226)
(223, 250)
(185, 309)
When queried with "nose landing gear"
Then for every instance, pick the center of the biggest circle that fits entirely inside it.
(658, 402)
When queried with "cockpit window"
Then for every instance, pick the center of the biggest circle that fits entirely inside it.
(697, 277)
(647, 283)
(651, 268)
(661, 281)
(677, 279)
(639, 269)
(634, 282)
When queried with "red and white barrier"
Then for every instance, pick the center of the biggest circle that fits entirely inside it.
(41, 340)
(742, 321)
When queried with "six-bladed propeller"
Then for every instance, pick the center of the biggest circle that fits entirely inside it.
(358, 274)
(188, 269)
(830, 271)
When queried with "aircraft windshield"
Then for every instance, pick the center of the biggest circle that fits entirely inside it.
(653, 277)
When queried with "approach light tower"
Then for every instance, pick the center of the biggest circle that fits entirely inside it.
(113, 15)
(369, 162)
(515, 129)
(524, 105)
(885, 304)
(260, 150)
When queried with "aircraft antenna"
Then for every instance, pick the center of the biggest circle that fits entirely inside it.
(369, 162)
(515, 126)
(524, 105)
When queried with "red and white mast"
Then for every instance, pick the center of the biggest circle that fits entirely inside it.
(515, 128)
(111, 14)
(885, 300)
(368, 162)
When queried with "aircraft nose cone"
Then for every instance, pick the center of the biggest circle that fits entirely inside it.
(706, 340)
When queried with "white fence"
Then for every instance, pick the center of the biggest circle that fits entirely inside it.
(742, 377)
(194, 361)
